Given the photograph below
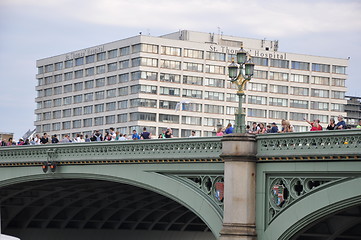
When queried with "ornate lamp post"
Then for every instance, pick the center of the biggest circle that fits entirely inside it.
(241, 77)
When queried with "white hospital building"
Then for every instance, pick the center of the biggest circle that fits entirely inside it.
(180, 80)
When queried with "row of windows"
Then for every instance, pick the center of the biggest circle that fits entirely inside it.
(191, 53)
(279, 76)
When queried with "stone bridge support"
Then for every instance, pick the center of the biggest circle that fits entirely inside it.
(239, 219)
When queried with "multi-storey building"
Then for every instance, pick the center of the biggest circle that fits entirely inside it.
(353, 111)
(180, 81)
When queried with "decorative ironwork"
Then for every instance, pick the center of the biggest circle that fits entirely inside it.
(283, 191)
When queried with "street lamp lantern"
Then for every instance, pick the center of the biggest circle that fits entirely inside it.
(240, 74)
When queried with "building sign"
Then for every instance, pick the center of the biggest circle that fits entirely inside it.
(252, 52)
(85, 52)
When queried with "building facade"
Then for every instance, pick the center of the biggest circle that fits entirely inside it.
(353, 111)
(180, 81)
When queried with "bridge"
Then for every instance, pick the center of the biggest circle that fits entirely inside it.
(275, 186)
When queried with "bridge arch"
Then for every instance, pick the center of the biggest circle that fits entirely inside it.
(158, 179)
(314, 208)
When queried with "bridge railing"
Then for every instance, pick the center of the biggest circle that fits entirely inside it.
(141, 151)
(318, 145)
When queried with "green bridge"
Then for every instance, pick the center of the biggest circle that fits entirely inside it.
(265, 187)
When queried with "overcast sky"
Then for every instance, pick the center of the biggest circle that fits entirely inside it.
(35, 29)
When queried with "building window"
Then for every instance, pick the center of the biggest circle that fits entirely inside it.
(111, 93)
(279, 63)
(189, 66)
(169, 91)
(144, 75)
(278, 89)
(58, 90)
(68, 76)
(213, 82)
(99, 108)
(338, 94)
(168, 104)
(319, 106)
(122, 118)
(90, 59)
(46, 127)
(68, 88)
(111, 106)
(150, 62)
(337, 107)
(191, 107)
(143, 47)
(191, 53)
(58, 66)
(298, 116)
(260, 61)
(56, 114)
(192, 120)
(78, 98)
(100, 69)
(99, 95)
(279, 76)
(101, 56)
(215, 56)
(88, 97)
(217, 96)
(173, 51)
(257, 100)
(167, 77)
(300, 65)
(57, 102)
(77, 124)
(298, 103)
(88, 109)
(100, 82)
(67, 100)
(211, 122)
(258, 87)
(299, 78)
(320, 67)
(231, 110)
(88, 122)
(322, 118)
(124, 51)
(123, 104)
(49, 80)
(142, 116)
(123, 91)
(69, 63)
(124, 64)
(338, 82)
(112, 67)
(252, 112)
(98, 121)
(192, 80)
(260, 74)
(113, 53)
(168, 118)
(111, 80)
(77, 111)
(339, 69)
(46, 115)
(320, 80)
(56, 126)
(110, 119)
(299, 91)
(277, 114)
(124, 78)
(58, 78)
(141, 102)
(78, 86)
(79, 61)
(170, 64)
(319, 93)
(191, 93)
(48, 92)
(67, 112)
(231, 97)
(89, 84)
(278, 102)
(213, 109)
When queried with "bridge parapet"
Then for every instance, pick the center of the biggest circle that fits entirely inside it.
(318, 145)
(145, 151)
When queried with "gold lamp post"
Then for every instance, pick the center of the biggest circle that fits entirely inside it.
(240, 74)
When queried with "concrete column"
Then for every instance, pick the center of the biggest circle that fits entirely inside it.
(239, 155)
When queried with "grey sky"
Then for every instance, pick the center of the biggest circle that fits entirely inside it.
(35, 29)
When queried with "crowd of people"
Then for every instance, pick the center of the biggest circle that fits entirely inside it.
(112, 135)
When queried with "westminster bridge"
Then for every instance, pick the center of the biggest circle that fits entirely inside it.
(265, 187)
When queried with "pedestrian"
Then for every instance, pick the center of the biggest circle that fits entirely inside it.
(219, 132)
(44, 139)
(87, 139)
(54, 139)
(168, 133)
(66, 139)
(268, 128)
(112, 134)
(359, 125)
(122, 137)
(255, 128)
(107, 137)
(193, 134)
(274, 128)
(262, 129)
(97, 136)
(341, 123)
(145, 134)
(315, 125)
(135, 135)
(37, 139)
(331, 125)
(286, 126)
(229, 128)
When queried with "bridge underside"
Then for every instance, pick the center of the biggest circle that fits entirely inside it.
(344, 225)
(59, 208)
